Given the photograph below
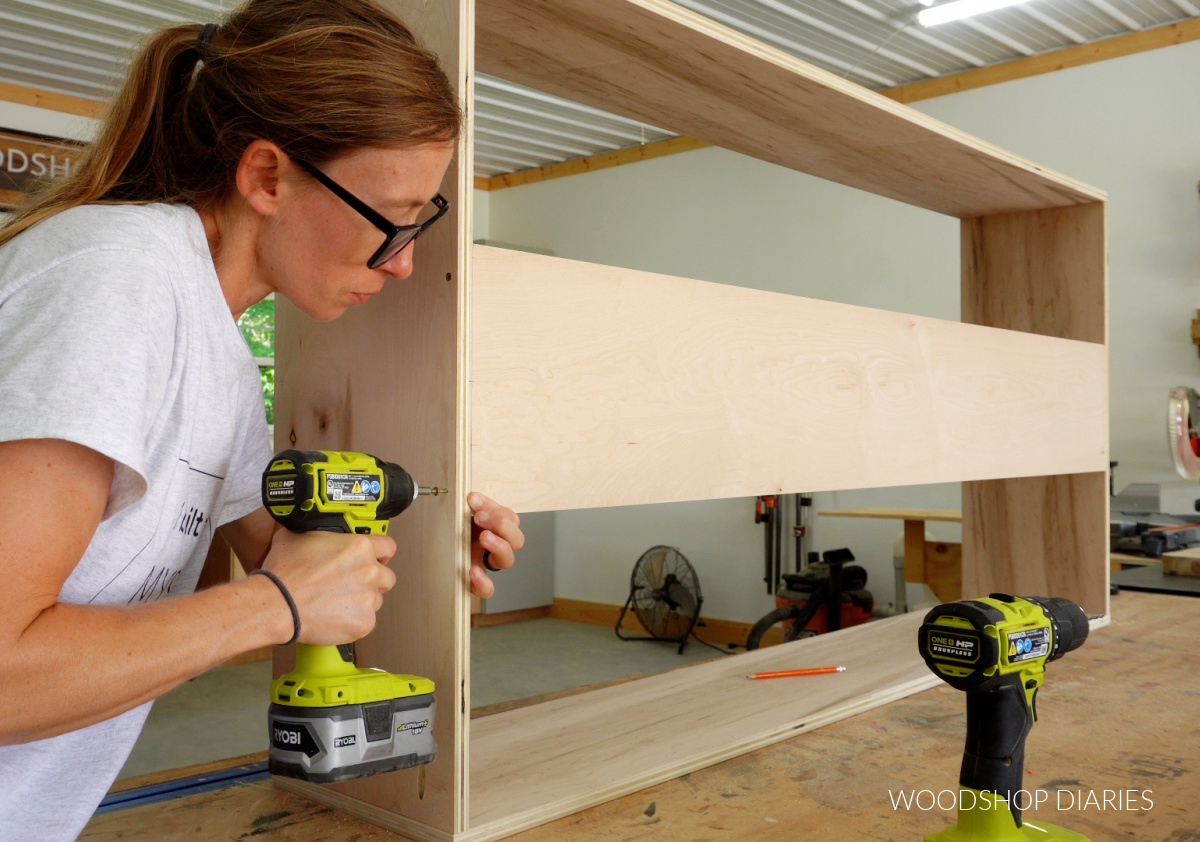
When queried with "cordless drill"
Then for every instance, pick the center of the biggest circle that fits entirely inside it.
(996, 649)
(330, 720)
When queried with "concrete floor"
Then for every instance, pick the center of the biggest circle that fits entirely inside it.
(223, 712)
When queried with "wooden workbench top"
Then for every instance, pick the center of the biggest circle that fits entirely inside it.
(948, 515)
(1121, 713)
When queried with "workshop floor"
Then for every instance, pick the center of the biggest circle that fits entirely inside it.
(222, 713)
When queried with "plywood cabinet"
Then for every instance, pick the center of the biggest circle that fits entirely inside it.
(534, 379)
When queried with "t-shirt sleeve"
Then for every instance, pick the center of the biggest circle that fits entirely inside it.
(85, 356)
(252, 453)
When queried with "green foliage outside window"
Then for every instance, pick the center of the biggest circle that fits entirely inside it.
(258, 329)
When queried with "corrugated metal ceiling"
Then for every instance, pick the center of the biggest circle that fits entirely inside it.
(79, 47)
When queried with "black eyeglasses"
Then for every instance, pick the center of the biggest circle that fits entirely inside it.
(398, 236)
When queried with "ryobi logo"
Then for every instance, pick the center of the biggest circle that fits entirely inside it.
(342, 742)
(293, 736)
(287, 737)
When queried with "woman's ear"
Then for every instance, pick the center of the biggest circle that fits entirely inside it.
(258, 176)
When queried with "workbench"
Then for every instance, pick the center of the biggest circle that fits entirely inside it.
(937, 564)
(1120, 713)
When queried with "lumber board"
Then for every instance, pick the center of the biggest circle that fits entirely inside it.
(651, 730)
(1045, 272)
(592, 163)
(1117, 46)
(654, 61)
(944, 515)
(709, 629)
(943, 569)
(1185, 562)
(407, 404)
(598, 386)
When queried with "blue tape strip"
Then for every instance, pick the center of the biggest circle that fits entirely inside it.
(183, 787)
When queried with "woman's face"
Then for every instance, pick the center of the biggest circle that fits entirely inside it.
(316, 249)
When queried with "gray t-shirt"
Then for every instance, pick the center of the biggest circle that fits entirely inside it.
(114, 334)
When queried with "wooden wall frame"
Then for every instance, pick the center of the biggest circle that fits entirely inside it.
(526, 377)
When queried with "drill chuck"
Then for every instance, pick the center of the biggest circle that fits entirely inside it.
(1068, 623)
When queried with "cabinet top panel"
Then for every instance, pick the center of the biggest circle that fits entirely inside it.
(654, 61)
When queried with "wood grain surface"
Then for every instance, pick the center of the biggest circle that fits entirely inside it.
(944, 515)
(655, 61)
(1045, 272)
(389, 379)
(1101, 726)
(554, 759)
(599, 386)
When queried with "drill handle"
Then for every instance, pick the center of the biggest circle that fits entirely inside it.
(998, 721)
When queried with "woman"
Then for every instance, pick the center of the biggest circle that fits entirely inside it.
(264, 155)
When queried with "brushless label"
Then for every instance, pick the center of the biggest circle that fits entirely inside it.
(1027, 645)
(351, 488)
(952, 645)
(281, 489)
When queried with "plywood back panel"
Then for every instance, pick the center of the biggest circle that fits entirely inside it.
(655, 61)
(1045, 272)
(598, 386)
(388, 378)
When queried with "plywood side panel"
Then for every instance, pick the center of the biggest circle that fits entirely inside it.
(389, 378)
(1044, 272)
(655, 61)
(1038, 536)
(537, 763)
(598, 386)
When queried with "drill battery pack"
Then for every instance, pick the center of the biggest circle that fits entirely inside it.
(331, 744)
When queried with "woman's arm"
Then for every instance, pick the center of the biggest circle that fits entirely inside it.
(250, 537)
(64, 666)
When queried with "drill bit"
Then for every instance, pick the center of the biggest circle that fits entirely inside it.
(433, 491)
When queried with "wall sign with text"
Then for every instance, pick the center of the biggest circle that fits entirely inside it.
(28, 159)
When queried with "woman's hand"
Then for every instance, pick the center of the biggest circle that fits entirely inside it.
(337, 581)
(494, 530)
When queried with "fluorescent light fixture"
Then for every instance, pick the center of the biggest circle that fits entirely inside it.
(960, 9)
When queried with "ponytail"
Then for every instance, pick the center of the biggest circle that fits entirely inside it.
(320, 78)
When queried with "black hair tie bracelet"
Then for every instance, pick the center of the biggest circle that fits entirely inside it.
(291, 603)
(487, 561)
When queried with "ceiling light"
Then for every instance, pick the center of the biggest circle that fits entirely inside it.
(960, 9)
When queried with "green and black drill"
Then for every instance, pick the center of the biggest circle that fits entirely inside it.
(996, 649)
(330, 720)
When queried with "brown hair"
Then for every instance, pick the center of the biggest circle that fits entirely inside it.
(319, 78)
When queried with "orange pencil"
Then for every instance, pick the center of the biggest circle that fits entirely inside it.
(786, 673)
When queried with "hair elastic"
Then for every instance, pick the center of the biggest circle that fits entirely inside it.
(291, 603)
(487, 561)
(206, 34)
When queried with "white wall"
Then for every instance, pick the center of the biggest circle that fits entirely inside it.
(1128, 126)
